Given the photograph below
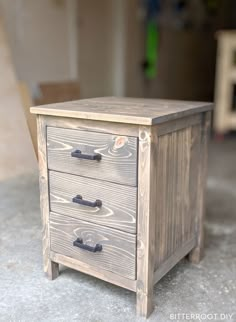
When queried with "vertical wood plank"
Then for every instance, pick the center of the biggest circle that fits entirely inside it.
(173, 214)
(194, 170)
(147, 183)
(50, 268)
(161, 198)
(185, 170)
(196, 254)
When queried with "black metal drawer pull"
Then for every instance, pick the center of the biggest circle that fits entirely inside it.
(79, 243)
(78, 154)
(79, 199)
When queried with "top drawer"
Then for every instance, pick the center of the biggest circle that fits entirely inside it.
(118, 161)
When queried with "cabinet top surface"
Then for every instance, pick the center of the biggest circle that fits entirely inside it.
(124, 110)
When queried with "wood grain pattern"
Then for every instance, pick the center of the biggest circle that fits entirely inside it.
(174, 222)
(118, 253)
(92, 126)
(50, 268)
(94, 271)
(124, 110)
(179, 124)
(197, 253)
(118, 202)
(195, 168)
(119, 154)
(147, 204)
(173, 259)
(169, 191)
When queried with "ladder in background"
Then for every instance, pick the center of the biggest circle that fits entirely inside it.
(224, 116)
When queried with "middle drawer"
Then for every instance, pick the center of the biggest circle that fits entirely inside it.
(96, 201)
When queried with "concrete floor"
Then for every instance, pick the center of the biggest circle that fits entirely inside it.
(27, 295)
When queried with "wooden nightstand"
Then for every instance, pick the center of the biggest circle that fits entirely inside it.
(122, 188)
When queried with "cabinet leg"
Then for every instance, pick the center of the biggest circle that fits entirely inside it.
(146, 234)
(144, 303)
(52, 270)
(196, 254)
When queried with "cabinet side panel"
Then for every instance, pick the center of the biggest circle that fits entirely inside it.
(177, 169)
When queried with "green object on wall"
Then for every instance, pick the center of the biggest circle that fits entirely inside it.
(151, 50)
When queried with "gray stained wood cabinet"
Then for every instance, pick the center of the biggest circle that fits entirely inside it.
(122, 188)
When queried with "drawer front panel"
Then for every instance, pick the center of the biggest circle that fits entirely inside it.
(118, 254)
(118, 209)
(118, 154)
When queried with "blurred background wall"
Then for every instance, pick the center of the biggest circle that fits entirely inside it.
(101, 45)
(43, 38)
(186, 51)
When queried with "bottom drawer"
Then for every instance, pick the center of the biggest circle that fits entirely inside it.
(115, 250)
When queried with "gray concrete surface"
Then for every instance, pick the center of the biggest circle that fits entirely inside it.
(207, 288)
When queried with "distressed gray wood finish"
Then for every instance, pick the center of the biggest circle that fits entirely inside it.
(171, 141)
(175, 216)
(179, 124)
(173, 259)
(50, 268)
(197, 253)
(91, 270)
(124, 110)
(119, 154)
(169, 189)
(147, 205)
(92, 126)
(118, 202)
(118, 253)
